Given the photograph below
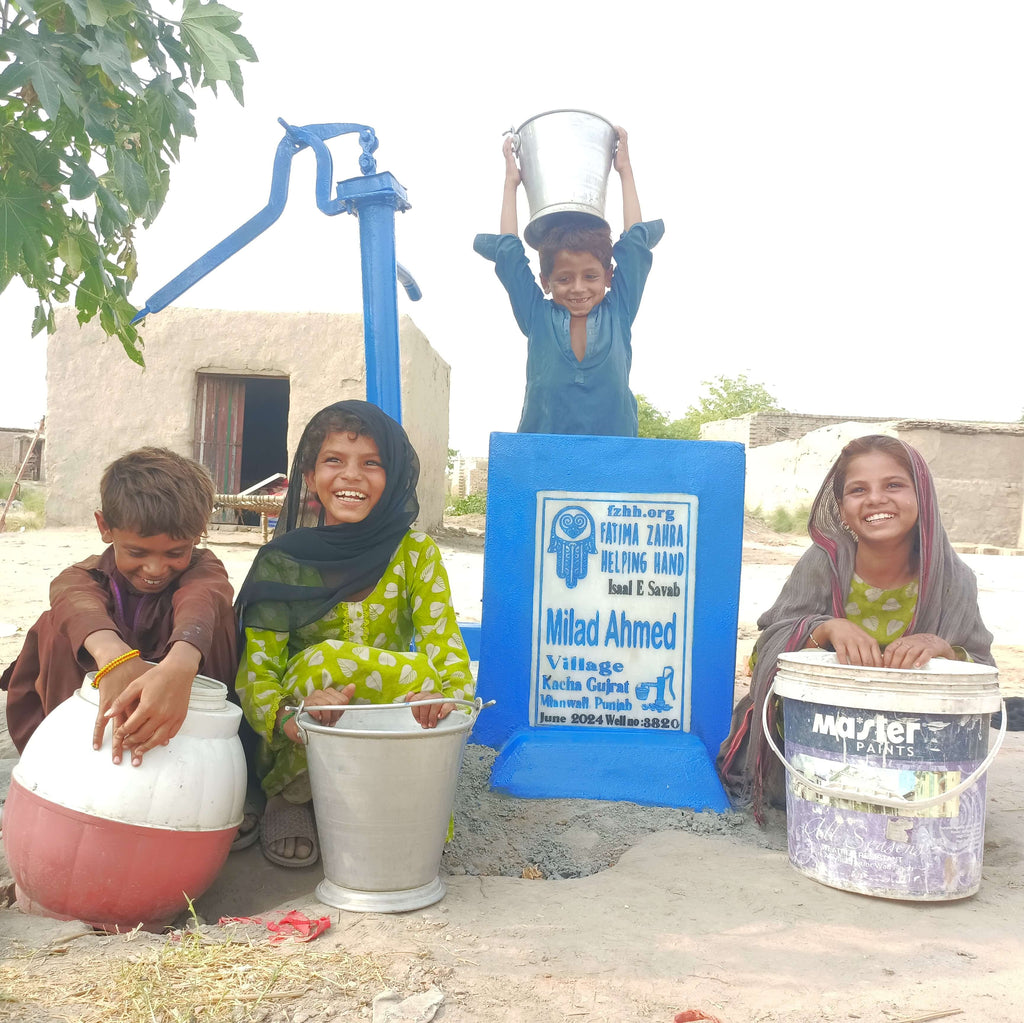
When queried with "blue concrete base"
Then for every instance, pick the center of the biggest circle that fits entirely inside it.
(471, 637)
(655, 770)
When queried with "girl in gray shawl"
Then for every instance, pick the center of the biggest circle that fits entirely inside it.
(880, 586)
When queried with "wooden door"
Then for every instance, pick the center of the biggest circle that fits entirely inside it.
(220, 415)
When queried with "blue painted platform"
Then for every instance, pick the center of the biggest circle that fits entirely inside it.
(558, 732)
(581, 764)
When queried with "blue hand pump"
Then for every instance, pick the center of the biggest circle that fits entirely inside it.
(373, 199)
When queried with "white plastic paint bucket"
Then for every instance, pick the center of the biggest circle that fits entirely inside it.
(383, 792)
(565, 157)
(886, 773)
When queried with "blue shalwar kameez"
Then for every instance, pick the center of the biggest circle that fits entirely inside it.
(564, 395)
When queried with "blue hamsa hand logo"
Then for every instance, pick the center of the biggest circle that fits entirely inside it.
(572, 542)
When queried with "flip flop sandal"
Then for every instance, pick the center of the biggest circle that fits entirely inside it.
(282, 820)
(253, 808)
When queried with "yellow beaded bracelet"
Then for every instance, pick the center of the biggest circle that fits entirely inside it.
(111, 665)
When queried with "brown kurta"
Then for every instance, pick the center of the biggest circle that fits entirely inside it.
(92, 596)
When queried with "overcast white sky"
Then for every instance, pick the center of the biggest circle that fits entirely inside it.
(842, 186)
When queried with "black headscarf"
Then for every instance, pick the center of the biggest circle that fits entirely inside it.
(308, 567)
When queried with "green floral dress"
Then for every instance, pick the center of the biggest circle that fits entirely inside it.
(882, 614)
(885, 614)
(366, 642)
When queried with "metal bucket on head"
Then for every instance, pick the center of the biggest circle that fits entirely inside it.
(383, 791)
(564, 158)
(886, 787)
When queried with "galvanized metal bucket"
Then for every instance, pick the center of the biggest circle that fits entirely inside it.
(383, 791)
(564, 158)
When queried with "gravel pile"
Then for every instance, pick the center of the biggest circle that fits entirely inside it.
(502, 835)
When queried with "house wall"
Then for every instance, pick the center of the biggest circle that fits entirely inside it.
(979, 478)
(468, 476)
(978, 470)
(757, 429)
(789, 474)
(14, 446)
(101, 404)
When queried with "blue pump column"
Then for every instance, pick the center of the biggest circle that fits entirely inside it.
(374, 199)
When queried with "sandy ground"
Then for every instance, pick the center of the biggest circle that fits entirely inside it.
(570, 910)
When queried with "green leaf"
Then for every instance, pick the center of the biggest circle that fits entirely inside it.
(208, 32)
(99, 11)
(36, 162)
(40, 319)
(82, 182)
(109, 52)
(171, 45)
(54, 11)
(112, 216)
(42, 59)
(132, 345)
(71, 91)
(87, 243)
(24, 223)
(130, 180)
(168, 113)
(14, 76)
(28, 7)
(88, 293)
(115, 318)
(69, 250)
(99, 120)
(235, 84)
(79, 9)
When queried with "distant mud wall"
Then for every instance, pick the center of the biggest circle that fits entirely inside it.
(978, 470)
(101, 404)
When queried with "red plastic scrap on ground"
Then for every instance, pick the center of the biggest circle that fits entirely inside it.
(692, 1015)
(294, 925)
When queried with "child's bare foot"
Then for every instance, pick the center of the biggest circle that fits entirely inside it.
(288, 833)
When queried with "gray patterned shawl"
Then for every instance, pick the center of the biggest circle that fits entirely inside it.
(947, 606)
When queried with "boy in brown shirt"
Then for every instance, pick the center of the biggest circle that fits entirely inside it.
(150, 596)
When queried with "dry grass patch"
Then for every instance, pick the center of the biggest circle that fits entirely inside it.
(191, 978)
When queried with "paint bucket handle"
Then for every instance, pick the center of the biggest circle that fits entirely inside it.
(475, 706)
(909, 805)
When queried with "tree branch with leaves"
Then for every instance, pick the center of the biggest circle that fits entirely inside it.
(721, 398)
(95, 98)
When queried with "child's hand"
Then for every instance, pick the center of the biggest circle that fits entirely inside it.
(621, 160)
(113, 708)
(851, 643)
(151, 709)
(512, 174)
(428, 717)
(916, 650)
(321, 698)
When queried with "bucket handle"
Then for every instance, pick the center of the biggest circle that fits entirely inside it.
(896, 804)
(476, 706)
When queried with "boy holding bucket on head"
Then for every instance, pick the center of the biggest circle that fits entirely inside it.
(579, 343)
(150, 596)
